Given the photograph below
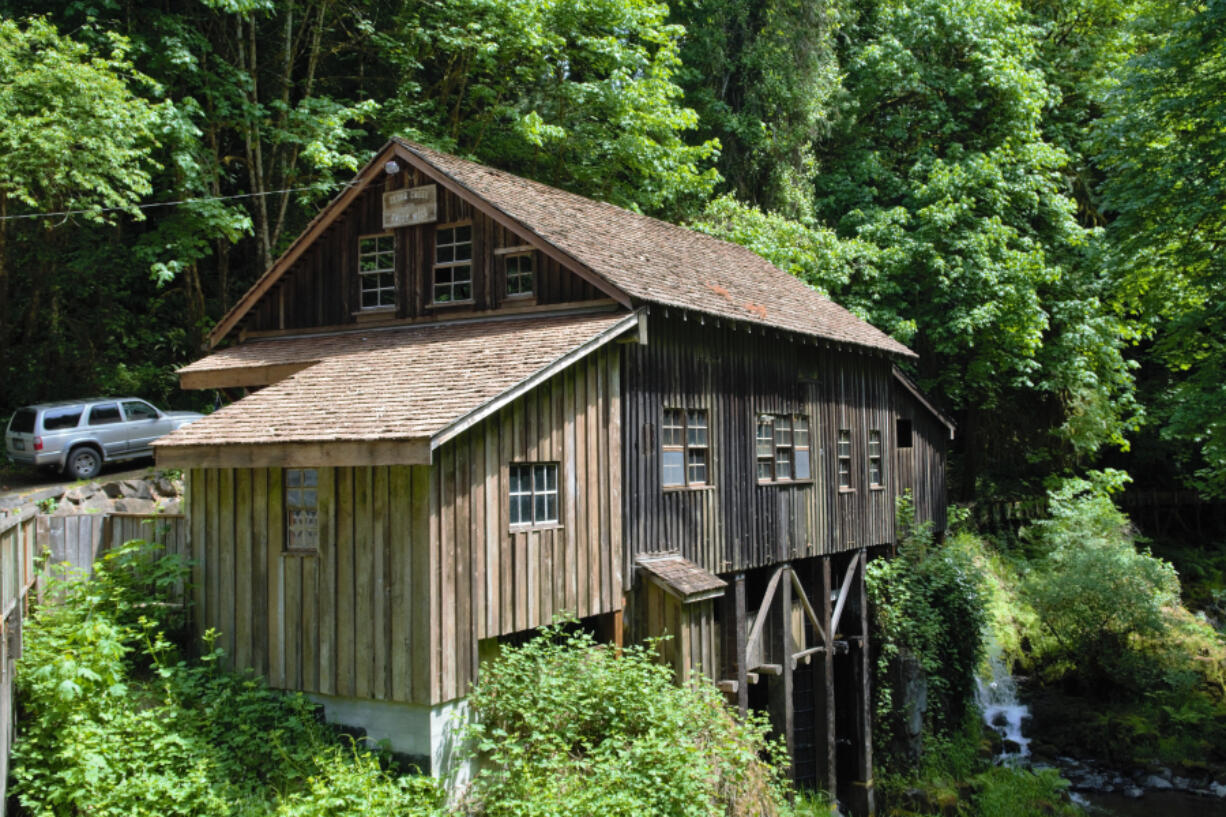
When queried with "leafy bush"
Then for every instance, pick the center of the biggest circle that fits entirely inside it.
(928, 605)
(1093, 590)
(569, 727)
(116, 722)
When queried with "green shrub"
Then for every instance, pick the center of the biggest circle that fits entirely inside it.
(565, 726)
(928, 604)
(1094, 591)
(116, 722)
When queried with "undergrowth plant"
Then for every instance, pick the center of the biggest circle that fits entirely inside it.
(116, 721)
(565, 726)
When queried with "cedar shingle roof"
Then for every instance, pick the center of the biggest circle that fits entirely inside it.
(686, 579)
(401, 384)
(658, 262)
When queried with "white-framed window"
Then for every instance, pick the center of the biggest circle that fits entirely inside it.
(684, 448)
(533, 493)
(843, 452)
(876, 467)
(377, 270)
(453, 264)
(301, 509)
(782, 447)
(521, 274)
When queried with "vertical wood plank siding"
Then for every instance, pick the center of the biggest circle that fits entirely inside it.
(921, 468)
(736, 523)
(345, 620)
(321, 289)
(494, 579)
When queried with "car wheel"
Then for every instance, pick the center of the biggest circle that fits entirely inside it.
(84, 463)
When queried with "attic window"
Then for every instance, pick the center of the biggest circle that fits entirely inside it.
(453, 264)
(377, 270)
(520, 269)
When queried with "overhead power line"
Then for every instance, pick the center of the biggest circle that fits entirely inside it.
(150, 205)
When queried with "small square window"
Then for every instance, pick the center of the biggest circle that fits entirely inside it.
(533, 493)
(520, 270)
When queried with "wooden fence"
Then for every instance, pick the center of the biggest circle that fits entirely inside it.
(78, 540)
(18, 546)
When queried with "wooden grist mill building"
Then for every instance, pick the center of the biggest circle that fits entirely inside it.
(470, 402)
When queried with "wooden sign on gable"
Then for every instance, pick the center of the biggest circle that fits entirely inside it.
(412, 205)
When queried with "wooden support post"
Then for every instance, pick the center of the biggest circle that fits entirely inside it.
(825, 722)
(863, 800)
(619, 628)
(742, 665)
(789, 709)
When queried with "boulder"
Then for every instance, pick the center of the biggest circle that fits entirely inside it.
(171, 506)
(135, 506)
(112, 490)
(135, 489)
(1156, 782)
(167, 487)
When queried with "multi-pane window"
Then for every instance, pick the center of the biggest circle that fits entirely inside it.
(520, 273)
(301, 509)
(533, 493)
(453, 264)
(876, 476)
(782, 447)
(377, 270)
(843, 452)
(684, 446)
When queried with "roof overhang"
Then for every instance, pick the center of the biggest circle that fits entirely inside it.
(295, 454)
(679, 577)
(911, 386)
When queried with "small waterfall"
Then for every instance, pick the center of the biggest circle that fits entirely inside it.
(997, 700)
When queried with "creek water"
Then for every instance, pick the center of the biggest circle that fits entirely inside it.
(1004, 713)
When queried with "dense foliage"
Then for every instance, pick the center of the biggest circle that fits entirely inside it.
(568, 727)
(115, 721)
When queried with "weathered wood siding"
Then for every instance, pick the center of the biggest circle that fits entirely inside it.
(494, 580)
(321, 289)
(350, 620)
(736, 523)
(921, 467)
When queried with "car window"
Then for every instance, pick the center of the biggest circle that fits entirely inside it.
(23, 421)
(139, 410)
(104, 413)
(64, 417)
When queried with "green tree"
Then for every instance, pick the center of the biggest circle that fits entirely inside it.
(1162, 147)
(760, 73)
(581, 95)
(938, 159)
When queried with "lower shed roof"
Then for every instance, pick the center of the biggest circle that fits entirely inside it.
(383, 397)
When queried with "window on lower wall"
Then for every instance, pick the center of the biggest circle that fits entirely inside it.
(684, 447)
(533, 493)
(301, 509)
(377, 270)
(876, 472)
(783, 450)
(843, 451)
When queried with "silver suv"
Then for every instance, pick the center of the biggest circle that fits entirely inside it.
(78, 436)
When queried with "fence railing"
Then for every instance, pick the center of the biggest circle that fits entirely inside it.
(18, 547)
(79, 540)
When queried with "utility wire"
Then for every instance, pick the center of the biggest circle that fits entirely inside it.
(94, 211)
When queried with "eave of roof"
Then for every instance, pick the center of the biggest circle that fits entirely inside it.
(916, 392)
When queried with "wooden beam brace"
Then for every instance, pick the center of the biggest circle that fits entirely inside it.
(804, 600)
(844, 592)
(755, 635)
